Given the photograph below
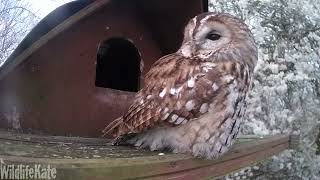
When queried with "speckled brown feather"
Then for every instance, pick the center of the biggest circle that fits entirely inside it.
(173, 71)
(193, 100)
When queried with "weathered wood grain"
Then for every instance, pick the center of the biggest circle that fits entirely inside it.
(94, 158)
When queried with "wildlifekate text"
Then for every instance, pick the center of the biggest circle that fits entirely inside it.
(27, 172)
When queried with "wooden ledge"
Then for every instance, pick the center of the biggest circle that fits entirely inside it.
(92, 158)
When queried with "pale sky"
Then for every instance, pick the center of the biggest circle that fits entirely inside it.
(44, 7)
(41, 9)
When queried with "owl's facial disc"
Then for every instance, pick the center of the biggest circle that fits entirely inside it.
(211, 36)
(205, 38)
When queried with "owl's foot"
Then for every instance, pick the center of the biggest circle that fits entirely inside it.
(159, 139)
(208, 151)
(152, 140)
(170, 139)
(122, 140)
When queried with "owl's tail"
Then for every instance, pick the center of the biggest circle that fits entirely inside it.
(111, 129)
(117, 128)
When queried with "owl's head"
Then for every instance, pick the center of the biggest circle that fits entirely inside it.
(211, 36)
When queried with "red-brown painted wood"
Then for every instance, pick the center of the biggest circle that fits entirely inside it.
(52, 90)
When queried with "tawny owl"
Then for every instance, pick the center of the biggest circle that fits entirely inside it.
(193, 100)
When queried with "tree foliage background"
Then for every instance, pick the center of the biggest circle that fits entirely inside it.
(286, 93)
(16, 20)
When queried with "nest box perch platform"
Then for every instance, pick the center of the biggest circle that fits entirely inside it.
(92, 158)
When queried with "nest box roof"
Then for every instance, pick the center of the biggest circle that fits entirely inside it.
(158, 15)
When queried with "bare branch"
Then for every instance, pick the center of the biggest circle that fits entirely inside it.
(16, 20)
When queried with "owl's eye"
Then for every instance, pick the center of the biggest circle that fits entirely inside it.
(213, 36)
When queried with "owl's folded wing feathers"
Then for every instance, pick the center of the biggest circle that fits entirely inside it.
(177, 90)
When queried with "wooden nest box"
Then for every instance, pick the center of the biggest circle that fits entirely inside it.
(78, 70)
(80, 67)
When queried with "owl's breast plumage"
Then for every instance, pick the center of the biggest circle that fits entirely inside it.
(179, 90)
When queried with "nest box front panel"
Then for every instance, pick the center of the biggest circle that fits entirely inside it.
(87, 75)
(55, 90)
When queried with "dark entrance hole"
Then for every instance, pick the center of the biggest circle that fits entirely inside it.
(118, 65)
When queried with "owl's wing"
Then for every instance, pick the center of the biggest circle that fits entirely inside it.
(178, 90)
